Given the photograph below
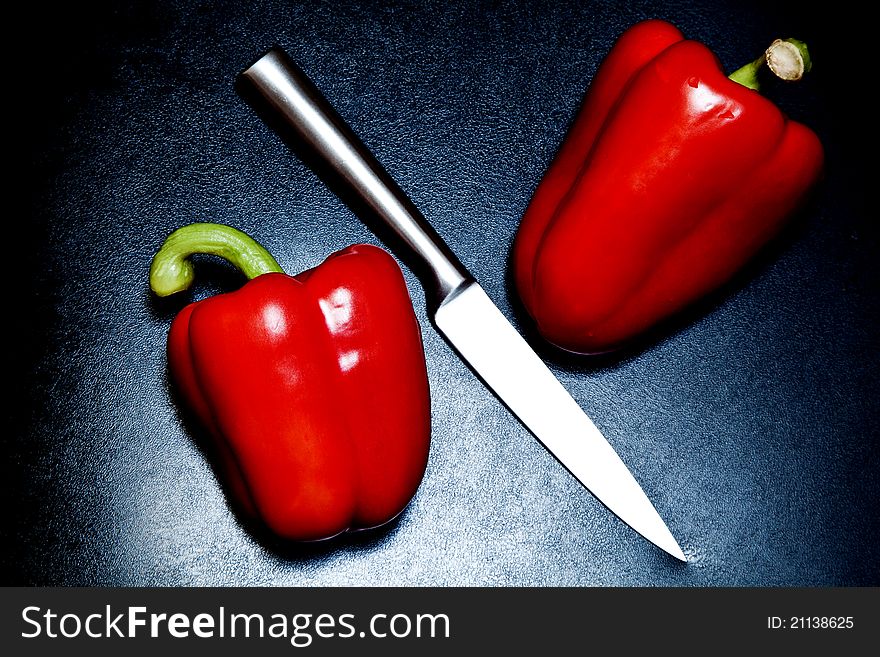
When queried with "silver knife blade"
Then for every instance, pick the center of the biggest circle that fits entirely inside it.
(464, 314)
(503, 359)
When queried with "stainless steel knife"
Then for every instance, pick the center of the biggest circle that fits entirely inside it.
(461, 310)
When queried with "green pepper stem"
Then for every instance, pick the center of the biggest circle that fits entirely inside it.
(787, 59)
(172, 271)
(748, 74)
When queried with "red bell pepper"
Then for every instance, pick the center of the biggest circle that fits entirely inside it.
(671, 178)
(314, 387)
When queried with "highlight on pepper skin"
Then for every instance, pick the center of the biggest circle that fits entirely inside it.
(671, 178)
(313, 387)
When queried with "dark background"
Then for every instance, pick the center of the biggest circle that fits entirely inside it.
(752, 424)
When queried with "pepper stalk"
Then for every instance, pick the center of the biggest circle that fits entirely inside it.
(787, 59)
(172, 270)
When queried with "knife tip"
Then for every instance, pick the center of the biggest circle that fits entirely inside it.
(666, 541)
(658, 534)
(677, 552)
(669, 545)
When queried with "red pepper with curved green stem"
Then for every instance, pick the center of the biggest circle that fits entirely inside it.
(314, 387)
(671, 178)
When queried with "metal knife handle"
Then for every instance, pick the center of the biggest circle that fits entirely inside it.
(292, 97)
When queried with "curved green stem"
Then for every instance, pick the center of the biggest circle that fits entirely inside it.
(748, 74)
(788, 59)
(172, 271)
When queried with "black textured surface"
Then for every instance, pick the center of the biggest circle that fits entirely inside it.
(753, 425)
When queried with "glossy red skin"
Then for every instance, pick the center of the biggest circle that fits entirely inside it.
(671, 178)
(315, 390)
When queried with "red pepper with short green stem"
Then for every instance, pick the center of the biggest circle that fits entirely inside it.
(672, 177)
(313, 387)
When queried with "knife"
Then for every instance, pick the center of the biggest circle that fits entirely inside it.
(460, 308)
